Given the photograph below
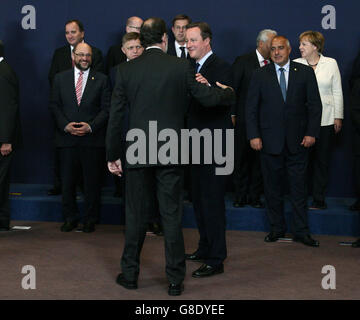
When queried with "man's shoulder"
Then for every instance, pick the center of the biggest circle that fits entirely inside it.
(245, 58)
(62, 50)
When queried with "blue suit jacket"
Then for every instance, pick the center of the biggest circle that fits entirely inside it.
(278, 122)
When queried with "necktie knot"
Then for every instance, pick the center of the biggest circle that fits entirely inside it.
(265, 62)
(183, 54)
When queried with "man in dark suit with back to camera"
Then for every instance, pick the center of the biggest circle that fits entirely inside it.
(283, 112)
(63, 59)
(158, 94)
(10, 133)
(208, 189)
(247, 170)
(80, 101)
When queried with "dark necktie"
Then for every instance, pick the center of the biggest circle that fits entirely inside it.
(283, 83)
(197, 67)
(183, 54)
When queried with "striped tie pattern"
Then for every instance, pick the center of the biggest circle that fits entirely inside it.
(78, 88)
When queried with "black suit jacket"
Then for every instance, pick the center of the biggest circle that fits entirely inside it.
(355, 93)
(214, 69)
(277, 122)
(114, 57)
(62, 61)
(243, 68)
(93, 109)
(10, 128)
(156, 86)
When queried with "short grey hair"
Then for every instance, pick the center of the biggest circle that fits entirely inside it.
(263, 35)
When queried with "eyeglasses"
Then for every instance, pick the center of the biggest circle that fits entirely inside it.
(178, 28)
(133, 27)
(133, 48)
(83, 55)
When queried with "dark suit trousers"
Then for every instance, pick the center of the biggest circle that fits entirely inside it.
(247, 175)
(140, 184)
(90, 162)
(294, 167)
(356, 152)
(319, 159)
(5, 163)
(208, 196)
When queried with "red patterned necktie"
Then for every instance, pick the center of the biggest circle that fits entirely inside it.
(265, 62)
(79, 87)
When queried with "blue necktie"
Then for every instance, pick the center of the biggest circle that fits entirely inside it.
(283, 83)
(197, 67)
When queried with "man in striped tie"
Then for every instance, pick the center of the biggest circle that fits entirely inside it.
(80, 102)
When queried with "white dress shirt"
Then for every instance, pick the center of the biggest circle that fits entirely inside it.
(261, 59)
(329, 82)
(286, 68)
(85, 77)
(178, 50)
(203, 59)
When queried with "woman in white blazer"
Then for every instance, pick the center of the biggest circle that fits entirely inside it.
(329, 82)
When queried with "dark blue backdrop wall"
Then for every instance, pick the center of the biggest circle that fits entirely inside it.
(234, 23)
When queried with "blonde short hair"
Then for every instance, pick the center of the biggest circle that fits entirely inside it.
(315, 38)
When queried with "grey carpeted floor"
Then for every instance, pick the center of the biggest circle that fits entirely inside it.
(76, 265)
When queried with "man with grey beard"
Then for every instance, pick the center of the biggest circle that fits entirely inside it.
(80, 101)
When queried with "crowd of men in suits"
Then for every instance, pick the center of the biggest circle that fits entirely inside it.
(272, 103)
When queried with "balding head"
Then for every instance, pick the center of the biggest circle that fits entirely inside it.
(133, 24)
(153, 32)
(280, 50)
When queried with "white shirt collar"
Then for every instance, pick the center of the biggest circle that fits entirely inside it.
(204, 58)
(285, 67)
(1, 59)
(152, 47)
(260, 57)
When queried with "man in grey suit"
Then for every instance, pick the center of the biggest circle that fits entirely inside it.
(160, 94)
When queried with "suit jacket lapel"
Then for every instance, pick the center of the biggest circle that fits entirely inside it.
(89, 85)
(274, 78)
(292, 76)
(70, 83)
(255, 60)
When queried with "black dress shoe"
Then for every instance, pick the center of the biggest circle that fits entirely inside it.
(54, 192)
(175, 289)
(355, 206)
(356, 244)
(69, 226)
(272, 237)
(207, 271)
(258, 204)
(194, 257)
(239, 203)
(126, 283)
(89, 227)
(307, 240)
(318, 205)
